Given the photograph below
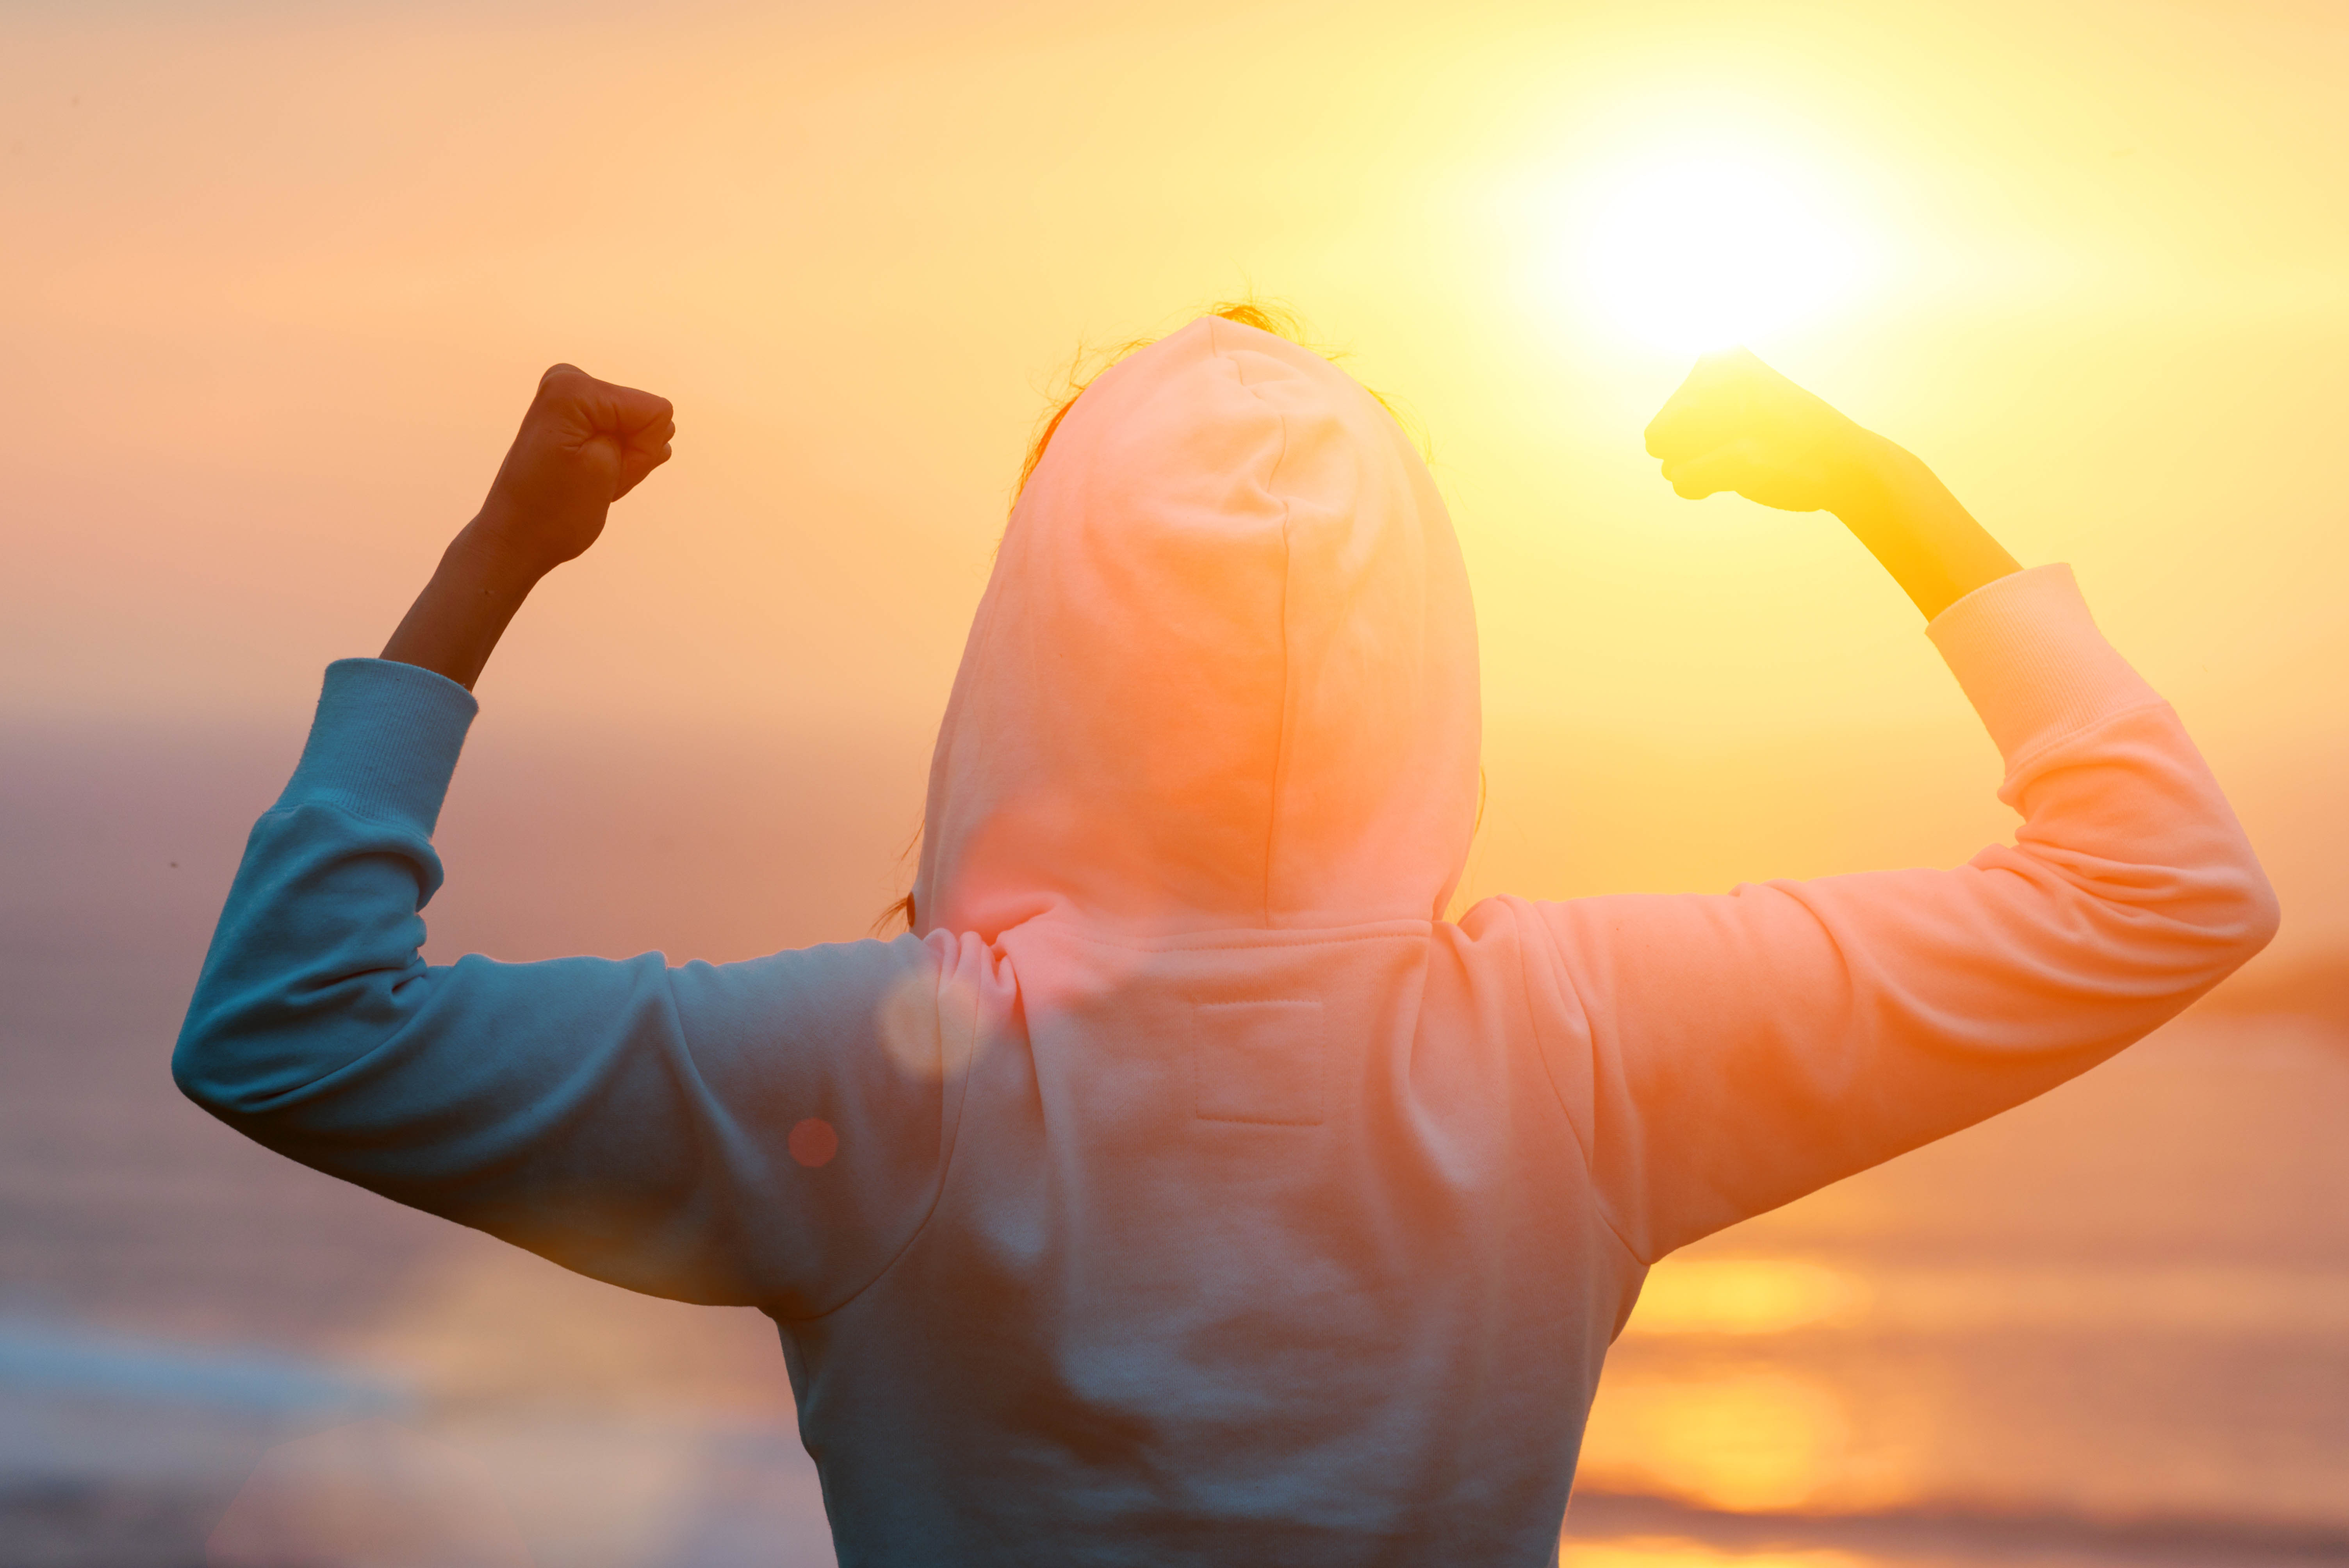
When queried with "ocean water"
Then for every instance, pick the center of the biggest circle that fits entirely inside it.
(2110, 1328)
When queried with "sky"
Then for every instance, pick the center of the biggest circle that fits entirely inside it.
(278, 281)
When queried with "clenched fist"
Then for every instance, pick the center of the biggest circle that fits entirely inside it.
(583, 445)
(1737, 424)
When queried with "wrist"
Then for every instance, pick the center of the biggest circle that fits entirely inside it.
(1906, 516)
(455, 622)
(491, 550)
(1885, 484)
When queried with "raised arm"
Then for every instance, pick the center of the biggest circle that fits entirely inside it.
(1720, 1054)
(766, 1133)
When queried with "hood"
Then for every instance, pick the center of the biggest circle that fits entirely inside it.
(1224, 676)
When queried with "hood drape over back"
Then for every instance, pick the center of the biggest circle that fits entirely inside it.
(1224, 676)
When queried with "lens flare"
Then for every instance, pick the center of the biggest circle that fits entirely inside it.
(1697, 250)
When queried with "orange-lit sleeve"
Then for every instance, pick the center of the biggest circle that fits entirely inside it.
(1720, 1054)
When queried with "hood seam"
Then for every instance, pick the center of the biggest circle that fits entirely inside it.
(1281, 737)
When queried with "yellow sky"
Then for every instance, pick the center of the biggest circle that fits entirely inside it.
(278, 283)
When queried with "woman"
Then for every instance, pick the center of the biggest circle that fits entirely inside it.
(1183, 1186)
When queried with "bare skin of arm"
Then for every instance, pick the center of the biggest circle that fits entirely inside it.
(1737, 424)
(583, 445)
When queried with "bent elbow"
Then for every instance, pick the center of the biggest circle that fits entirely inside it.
(2234, 914)
(205, 1067)
(2260, 914)
(2170, 934)
(239, 1063)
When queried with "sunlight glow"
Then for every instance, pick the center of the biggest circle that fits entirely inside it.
(1693, 250)
(1670, 1551)
(1744, 1295)
(1757, 1438)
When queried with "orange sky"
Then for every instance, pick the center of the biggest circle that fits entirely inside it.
(278, 283)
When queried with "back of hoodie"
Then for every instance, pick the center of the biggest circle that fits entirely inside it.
(1188, 1189)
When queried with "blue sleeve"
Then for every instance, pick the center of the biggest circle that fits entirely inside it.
(627, 1119)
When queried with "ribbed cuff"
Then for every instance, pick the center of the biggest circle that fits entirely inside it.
(2032, 661)
(385, 741)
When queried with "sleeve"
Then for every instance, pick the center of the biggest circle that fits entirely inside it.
(767, 1133)
(1722, 1055)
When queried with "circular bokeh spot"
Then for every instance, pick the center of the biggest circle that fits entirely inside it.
(813, 1142)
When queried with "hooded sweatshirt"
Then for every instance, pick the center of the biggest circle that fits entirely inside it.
(1186, 1188)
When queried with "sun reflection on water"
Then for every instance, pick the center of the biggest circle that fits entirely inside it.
(1666, 1552)
(1745, 1296)
(1749, 1441)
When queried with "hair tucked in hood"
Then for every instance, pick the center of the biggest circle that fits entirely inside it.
(1224, 676)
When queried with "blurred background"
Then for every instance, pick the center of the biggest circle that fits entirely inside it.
(276, 280)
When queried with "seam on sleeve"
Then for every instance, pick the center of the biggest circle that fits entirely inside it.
(703, 1097)
(2030, 755)
(1549, 1068)
(1281, 746)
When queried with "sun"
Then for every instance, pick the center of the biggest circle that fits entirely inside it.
(1692, 249)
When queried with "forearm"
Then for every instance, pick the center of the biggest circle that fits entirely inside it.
(1915, 528)
(456, 621)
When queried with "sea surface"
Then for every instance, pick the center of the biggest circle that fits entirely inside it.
(2110, 1328)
